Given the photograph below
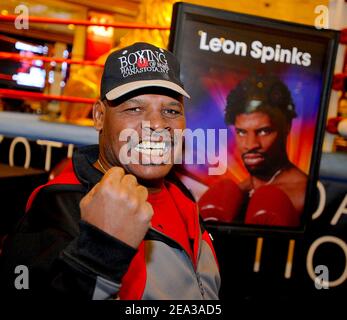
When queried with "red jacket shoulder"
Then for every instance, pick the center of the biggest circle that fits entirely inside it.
(66, 175)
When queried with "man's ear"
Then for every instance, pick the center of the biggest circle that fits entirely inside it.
(99, 110)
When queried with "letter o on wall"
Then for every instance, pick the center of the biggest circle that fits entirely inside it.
(27, 151)
(312, 250)
(322, 200)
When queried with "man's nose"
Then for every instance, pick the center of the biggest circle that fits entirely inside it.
(252, 142)
(156, 121)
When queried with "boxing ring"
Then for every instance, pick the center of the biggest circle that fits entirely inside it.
(30, 126)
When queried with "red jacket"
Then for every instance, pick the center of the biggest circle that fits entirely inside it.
(67, 256)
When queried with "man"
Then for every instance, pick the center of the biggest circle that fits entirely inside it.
(261, 111)
(112, 225)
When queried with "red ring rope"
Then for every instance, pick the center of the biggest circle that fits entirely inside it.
(19, 94)
(19, 57)
(121, 25)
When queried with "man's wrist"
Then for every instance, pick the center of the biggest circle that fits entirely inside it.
(100, 253)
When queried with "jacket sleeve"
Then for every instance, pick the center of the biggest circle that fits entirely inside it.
(66, 257)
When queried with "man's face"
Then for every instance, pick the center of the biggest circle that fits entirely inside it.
(148, 145)
(260, 143)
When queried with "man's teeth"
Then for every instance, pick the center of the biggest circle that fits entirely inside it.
(151, 145)
(154, 148)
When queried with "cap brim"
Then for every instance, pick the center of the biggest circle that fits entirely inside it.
(128, 87)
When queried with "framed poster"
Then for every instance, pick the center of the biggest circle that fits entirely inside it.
(259, 92)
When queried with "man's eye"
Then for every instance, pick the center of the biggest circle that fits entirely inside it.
(264, 132)
(171, 112)
(133, 110)
(241, 133)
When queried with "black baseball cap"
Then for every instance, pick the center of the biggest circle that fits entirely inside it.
(138, 66)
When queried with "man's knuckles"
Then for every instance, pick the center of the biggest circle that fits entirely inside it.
(129, 180)
(146, 212)
(131, 201)
(115, 173)
(142, 192)
(125, 190)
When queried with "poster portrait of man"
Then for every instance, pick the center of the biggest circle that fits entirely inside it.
(264, 85)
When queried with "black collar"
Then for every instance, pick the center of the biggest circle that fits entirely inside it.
(82, 160)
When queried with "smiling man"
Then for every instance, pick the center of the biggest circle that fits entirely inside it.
(116, 223)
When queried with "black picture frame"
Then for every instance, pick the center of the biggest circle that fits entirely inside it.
(182, 27)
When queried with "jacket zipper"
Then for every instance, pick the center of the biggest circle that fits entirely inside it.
(178, 244)
(197, 275)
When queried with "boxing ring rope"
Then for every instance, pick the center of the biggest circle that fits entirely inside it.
(15, 94)
(19, 57)
(120, 25)
(123, 25)
(5, 76)
(20, 94)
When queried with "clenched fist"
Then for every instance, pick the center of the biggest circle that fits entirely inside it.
(118, 206)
